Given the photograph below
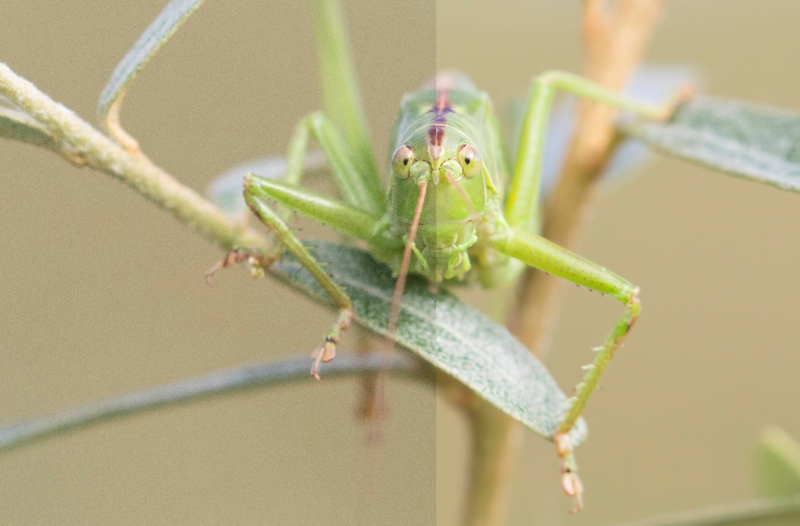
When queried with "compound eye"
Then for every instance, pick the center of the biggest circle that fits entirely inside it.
(470, 160)
(402, 160)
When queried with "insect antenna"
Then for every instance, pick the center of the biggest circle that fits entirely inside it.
(400, 285)
(379, 394)
(376, 409)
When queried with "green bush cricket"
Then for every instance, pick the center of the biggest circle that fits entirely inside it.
(455, 211)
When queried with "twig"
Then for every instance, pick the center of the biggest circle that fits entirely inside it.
(137, 171)
(219, 383)
(495, 439)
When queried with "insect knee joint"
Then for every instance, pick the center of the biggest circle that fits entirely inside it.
(548, 78)
(315, 119)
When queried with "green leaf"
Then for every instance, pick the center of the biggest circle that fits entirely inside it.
(753, 142)
(452, 336)
(772, 511)
(19, 126)
(155, 36)
(218, 383)
(777, 463)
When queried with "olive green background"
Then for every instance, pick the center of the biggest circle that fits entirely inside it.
(102, 293)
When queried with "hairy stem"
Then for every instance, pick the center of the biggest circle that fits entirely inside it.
(134, 169)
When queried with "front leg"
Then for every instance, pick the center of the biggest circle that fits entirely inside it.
(545, 255)
(359, 222)
(327, 351)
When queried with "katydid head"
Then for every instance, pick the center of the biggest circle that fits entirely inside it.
(455, 201)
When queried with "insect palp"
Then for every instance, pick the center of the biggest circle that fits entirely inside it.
(421, 171)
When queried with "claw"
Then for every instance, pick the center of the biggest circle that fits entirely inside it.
(327, 351)
(573, 487)
(570, 481)
(257, 263)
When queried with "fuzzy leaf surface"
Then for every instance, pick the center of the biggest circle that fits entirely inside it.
(758, 143)
(441, 329)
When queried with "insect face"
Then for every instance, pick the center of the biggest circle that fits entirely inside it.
(454, 203)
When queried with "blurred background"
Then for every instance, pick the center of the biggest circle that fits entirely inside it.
(103, 293)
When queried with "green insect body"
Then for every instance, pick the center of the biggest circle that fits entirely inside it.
(454, 210)
(450, 139)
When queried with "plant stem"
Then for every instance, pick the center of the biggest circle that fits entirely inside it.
(135, 170)
(219, 383)
(495, 439)
(615, 40)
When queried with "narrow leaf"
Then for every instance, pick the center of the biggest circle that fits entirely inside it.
(773, 511)
(155, 36)
(777, 463)
(219, 383)
(19, 126)
(757, 143)
(452, 336)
